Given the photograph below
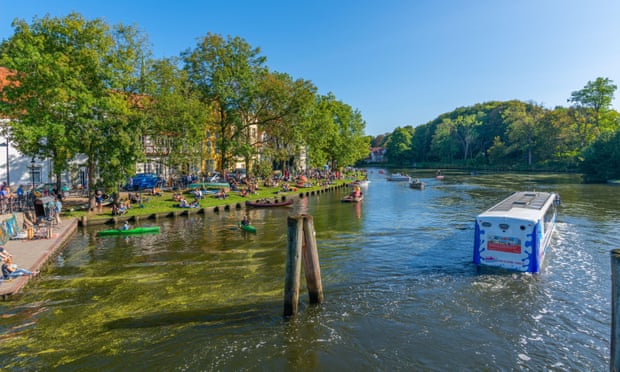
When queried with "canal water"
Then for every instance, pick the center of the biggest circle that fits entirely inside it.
(401, 292)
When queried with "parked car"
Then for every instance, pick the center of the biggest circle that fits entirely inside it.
(143, 181)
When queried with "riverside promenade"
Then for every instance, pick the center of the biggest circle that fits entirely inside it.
(34, 254)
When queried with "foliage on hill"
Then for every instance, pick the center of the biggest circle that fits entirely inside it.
(518, 135)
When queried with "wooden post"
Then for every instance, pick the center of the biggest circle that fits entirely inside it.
(312, 269)
(614, 360)
(301, 245)
(293, 265)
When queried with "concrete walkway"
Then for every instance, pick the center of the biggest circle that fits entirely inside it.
(34, 254)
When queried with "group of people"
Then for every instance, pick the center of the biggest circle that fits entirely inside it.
(10, 270)
(184, 204)
(356, 193)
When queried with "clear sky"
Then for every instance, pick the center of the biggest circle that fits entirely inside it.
(399, 62)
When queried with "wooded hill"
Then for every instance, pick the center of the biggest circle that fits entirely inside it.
(516, 135)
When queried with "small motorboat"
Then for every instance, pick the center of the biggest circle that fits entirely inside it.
(267, 203)
(361, 183)
(399, 177)
(132, 231)
(417, 184)
(352, 199)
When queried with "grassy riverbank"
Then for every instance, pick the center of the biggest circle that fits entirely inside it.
(77, 207)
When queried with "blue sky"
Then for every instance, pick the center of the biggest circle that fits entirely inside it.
(399, 62)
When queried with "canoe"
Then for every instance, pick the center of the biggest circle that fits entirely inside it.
(266, 203)
(135, 230)
(248, 228)
(352, 199)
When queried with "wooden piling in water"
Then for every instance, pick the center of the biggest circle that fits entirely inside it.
(614, 360)
(293, 265)
(301, 245)
(312, 268)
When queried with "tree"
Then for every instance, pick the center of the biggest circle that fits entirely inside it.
(602, 159)
(592, 105)
(76, 93)
(226, 75)
(177, 119)
(336, 133)
(398, 146)
(283, 109)
(523, 120)
(454, 133)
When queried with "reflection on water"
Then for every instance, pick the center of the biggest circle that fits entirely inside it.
(400, 290)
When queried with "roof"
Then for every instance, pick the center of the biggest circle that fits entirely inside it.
(522, 205)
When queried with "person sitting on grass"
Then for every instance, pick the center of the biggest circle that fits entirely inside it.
(222, 194)
(11, 270)
(183, 203)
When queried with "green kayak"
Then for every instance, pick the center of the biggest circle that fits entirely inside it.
(135, 230)
(248, 228)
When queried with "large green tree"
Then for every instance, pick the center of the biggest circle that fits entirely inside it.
(178, 121)
(283, 108)
(226, 73)
(602, 159)
(76, 92)
(592, 105)
(523, 122)
(335, 134)
(398, 146)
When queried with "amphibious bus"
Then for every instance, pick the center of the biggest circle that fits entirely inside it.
(515, 233)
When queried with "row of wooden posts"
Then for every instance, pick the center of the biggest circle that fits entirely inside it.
(301, 248)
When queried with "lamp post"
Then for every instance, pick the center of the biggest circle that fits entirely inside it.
(32, 166)
(8, 170)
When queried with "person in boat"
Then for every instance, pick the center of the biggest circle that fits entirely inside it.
(357, 192)
(438, 172)
(245, 221)
(126, 226)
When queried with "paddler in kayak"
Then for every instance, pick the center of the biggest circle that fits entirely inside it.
(245, 221)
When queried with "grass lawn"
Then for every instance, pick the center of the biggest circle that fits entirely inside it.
(165, 203)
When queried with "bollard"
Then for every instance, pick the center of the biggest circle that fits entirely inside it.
(614, 360)
(312, 269)
(301, 245)
(293, 266)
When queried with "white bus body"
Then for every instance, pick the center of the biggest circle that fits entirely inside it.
(515, 233)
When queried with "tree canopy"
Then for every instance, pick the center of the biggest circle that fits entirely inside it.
(75, 92)
(82, 89)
